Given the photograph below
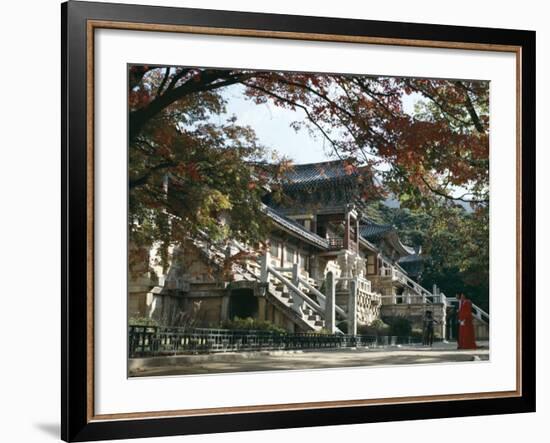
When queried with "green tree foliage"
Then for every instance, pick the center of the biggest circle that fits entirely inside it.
(457, 250)
(455, 245)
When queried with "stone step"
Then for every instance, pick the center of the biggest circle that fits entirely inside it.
(283, 300)
(308, 315)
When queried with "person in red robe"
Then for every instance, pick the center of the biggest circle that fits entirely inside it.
(466, 336)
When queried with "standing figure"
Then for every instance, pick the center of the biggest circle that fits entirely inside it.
(466, 337)
(429, 322)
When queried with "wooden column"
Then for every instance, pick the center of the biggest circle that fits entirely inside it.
(346, 231)
(356, 235)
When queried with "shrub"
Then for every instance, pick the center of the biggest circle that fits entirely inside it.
(251, 324)
(343, 326)
(323, 331)
(142, 321)
(376, 327)
(399, 326)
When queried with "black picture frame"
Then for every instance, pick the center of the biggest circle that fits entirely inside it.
(77, 423)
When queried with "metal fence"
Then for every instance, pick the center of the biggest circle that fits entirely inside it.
(145, 341)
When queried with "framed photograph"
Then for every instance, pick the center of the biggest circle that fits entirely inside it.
(276, 221)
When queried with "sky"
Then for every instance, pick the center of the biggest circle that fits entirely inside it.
(272, 126)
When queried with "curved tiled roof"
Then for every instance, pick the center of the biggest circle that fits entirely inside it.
(413, 264)
(330, 184)
(374, 231)
(309, 173)
(341, 175)
(413, 258)
(296, 228)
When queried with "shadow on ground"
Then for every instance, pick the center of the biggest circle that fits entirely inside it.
(316, 360)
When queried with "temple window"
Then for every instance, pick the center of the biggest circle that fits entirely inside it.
(291, 255)
(274, 249)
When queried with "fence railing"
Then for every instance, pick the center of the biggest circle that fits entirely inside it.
(147, 341)
(335, 243)
(477, 312)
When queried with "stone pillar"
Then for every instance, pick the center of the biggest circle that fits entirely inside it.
(297, 302)
(345, 261)
(444, 323)
(352, 308)
(262, 315)
(330, 294)
(264, 263)
(224, 314)
(314, 268)
(295, 271)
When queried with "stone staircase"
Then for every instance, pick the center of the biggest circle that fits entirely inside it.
(306, 316)
(279, 294)
(309, 316)
(301, 296)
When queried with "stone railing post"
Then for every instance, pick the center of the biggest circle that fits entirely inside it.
(352, 308)
(295, 271)
(330, 308)
(297, 302)
(444, 324)
(264, 263)
(435, 294)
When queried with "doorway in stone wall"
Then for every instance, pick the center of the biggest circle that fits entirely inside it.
(243, 304)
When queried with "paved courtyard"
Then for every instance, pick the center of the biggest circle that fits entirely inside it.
(287, 360)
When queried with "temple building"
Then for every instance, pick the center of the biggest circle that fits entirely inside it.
(326, 266)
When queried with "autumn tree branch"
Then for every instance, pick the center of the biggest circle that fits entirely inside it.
(470, 108)
(450, 197)
(209, 80)
(143, 179)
